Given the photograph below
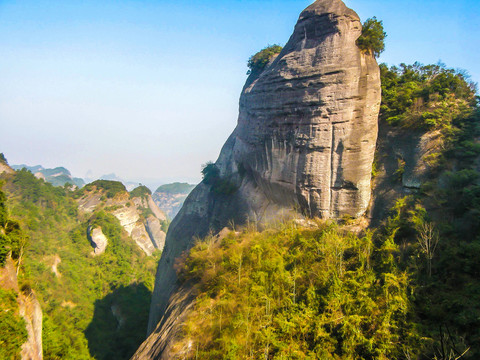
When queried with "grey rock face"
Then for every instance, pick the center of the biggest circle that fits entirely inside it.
(304, 142)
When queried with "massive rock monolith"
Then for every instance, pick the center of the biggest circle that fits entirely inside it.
(304, 143)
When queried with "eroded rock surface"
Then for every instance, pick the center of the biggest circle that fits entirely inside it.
(139, 216)
(98, 240)
(304, 142)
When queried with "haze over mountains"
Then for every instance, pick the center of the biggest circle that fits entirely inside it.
(340, 221)
(169, 197)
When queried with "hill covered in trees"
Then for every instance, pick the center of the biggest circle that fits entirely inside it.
(94, 307)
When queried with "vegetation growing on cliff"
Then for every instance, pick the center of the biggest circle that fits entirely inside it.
(372, 39)
(12, 326)
(218, 184)
(260, 60)
(111, 188)
(12, 239)
(291, 292)
(141, 191)
(425, 96)
(438, 225)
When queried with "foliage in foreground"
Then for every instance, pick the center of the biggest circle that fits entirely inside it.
(298, 294)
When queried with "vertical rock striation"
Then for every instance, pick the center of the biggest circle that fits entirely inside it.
(305, 141)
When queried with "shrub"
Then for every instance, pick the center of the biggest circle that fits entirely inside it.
(219, 186)
(373, 37)
(210, 173)
(259, 61)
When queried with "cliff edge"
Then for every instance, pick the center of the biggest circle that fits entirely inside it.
(304, 143)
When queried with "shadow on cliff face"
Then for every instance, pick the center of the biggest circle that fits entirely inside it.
(119, 323)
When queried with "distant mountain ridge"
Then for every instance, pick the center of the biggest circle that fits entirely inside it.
(170, 197)
(58, 176)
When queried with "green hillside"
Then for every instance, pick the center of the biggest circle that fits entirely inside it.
(93, 307)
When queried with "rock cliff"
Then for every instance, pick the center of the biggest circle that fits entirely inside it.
(304, 142)
(29, 308)
(139, 216)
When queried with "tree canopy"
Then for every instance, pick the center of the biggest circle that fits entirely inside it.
(373, 37)
(260, 60)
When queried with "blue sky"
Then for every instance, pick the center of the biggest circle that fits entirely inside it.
(149, 89)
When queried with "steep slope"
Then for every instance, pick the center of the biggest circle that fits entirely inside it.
(137, 212)
(170, 197)
(305, 141)
(94, 307)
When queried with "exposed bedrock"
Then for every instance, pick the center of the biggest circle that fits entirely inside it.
(304, 142)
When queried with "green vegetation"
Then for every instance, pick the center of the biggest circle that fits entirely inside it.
(298, 294)
(219, 185)
(141, 191)
(73, 302)
(425, 96)
(407, 290)
(111, 188)
(12, 326)
(372, 39)
(3, 159)
(439, 248)
(260, 60)
(12, 239)
(175, 188)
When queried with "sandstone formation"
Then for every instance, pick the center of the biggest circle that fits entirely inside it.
(29, 309)
(304, 143)
(32, 313)
(98, 240)
(145, 230)
(4, 168)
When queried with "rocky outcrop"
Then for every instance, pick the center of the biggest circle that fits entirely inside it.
(29, 308)
(32, 313)
(404, 163)
(5, 168)
(98, 240)
(154, 229)
(139, 216)
(304, 142)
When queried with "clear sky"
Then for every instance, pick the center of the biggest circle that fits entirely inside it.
(149, 89)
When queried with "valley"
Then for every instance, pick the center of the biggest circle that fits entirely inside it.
(341, 220)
